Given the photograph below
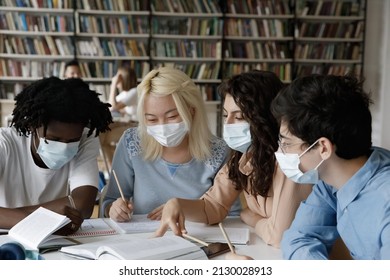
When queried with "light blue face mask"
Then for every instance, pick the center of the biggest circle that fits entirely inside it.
(237, 136)
(56, 154)
(289, 164)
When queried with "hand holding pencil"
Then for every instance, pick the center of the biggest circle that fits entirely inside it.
(232, 255)
(121, 210)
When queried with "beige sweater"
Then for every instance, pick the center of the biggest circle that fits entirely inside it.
(277, 210)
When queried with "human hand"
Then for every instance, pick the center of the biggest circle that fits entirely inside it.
(156, 213)
(171, 217)
(76, 220)
(120, 210)
(235, 256)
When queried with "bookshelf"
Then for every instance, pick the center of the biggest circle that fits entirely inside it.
(35, 41)
(329, 37)
(210, 40)
(258, 35)
(188, 36)
(110, 34)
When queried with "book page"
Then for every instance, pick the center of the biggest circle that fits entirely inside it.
(214, 234)
(159, 248)
(137, 224)
(36, 227)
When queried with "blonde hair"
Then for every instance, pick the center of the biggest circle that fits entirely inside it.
(190, 106)
(129, 78)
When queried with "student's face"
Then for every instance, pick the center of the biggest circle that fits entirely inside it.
(290, 144)
(160, 110)
(231, 112)
(72, 72)
(59, 132)
(62, 132)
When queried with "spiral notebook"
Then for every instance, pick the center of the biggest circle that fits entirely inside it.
(94, 227)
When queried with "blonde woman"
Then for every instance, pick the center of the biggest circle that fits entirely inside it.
(172, 153)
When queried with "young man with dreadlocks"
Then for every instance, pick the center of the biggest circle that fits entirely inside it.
(48, 156)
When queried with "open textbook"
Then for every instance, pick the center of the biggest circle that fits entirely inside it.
(35, 232)
(141, 224)
(159, 248)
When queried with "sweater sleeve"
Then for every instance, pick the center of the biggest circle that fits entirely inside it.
(220, 197)
(284, 203)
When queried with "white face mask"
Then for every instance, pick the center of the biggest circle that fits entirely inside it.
(289, 163)
(237, 136)
(56, 154)
(168, 135)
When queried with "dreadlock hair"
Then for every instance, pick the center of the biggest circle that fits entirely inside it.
(68, 101)
(253, 93)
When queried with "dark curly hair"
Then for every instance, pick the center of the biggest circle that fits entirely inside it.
(253, 93)
(69, 101)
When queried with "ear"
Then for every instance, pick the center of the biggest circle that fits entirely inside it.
(326, 147)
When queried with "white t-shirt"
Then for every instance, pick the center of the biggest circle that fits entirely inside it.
(129, 98)
(23, 183)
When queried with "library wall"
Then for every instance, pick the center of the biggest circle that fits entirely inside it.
(324, 36)
(377, 68)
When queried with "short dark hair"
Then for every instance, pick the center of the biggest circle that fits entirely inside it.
(72, 63)
(69, 101)
(253, 93)
(335, 107)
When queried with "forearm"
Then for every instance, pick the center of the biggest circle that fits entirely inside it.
(10, 217)
(112, 95)
(83, 197)
(193, 210)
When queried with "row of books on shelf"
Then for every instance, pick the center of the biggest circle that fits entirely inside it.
(185, 6)
(187, 26)
(330, 8)
(124, 24)
(259, 7)
(283, 71)
(10, 90)
(107, 69)
(46, 45)
(30, 69)
(19, 21)
(93, 69)
(111, 47)
(330, 29)
(187, 49)
(341, 51)
(51, 4)
(209, 92)
(257, 27)
(117, 5)
(198, 71)
(257, 50)
(329, 69)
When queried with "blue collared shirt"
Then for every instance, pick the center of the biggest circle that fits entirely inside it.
(359, 213)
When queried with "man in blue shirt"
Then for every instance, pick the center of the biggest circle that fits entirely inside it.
(325, 138)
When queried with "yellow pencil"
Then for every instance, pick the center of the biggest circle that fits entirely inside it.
(195, 239)
(226, 237)
(120, 189)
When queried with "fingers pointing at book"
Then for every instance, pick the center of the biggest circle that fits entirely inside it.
(173, 218)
